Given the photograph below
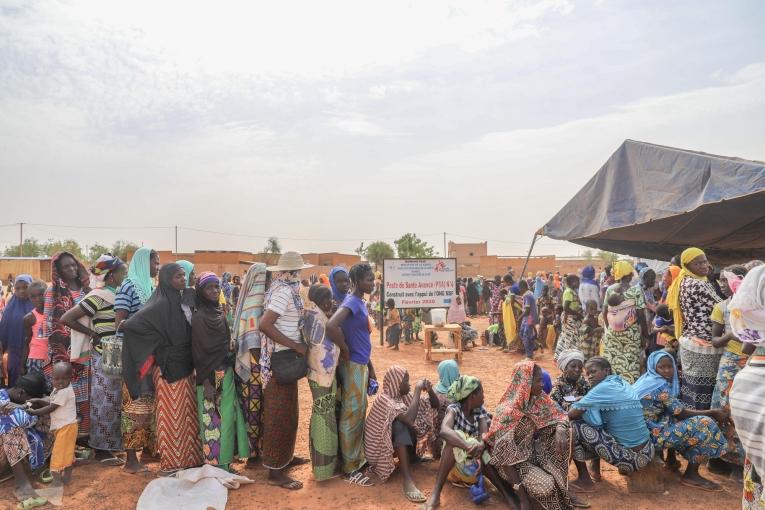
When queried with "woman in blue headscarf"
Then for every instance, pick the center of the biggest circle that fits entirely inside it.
(692, 433)
(448, 372)
(12, 328)
(589, 289)
(340, 285)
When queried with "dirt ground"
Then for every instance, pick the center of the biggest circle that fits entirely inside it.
(96, 487)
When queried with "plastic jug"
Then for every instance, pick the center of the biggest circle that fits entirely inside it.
(438, 316)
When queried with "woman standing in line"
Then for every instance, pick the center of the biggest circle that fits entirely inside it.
(94, 318)
(12, 328)
(280, 325)
(70, 282)
(691, 300)
(137, 412)
(158, 344)
(221, 421)
(349, 330)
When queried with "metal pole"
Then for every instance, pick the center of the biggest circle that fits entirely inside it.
(526, 263)
(382, 305)
(21, 239)
(176, 241)
(445, 253)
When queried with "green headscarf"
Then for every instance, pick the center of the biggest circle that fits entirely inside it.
(139, 273)
(462, 388)
(188, 267)
(448, 372)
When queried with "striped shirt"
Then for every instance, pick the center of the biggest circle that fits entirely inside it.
(102, 314)
(127, 300)
(282, 303)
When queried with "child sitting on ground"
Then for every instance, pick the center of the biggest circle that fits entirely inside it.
(591, 332)
(62, 409)
(393, 321)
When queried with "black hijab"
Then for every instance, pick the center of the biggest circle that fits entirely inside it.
(210, 335)
(159, 328)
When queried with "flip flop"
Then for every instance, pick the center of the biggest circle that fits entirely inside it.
(415, 496)
(578, 503)
(112, 461)
(291, 485)
(46, 476)
(32, 502)
(360, 479)
(701, 487)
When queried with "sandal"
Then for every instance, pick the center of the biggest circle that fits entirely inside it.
(578, 488)
(112, 461)
(704, 486)
(291, 485)
(360, 479)
(415, 496)
(32, 502)
(46, 476)
(578, 503)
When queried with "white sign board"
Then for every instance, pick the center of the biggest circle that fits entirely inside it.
(420, 283)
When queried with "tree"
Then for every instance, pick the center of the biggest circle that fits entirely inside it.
(96, 251)
(32, 248)
(377, 252)
(409, 246)
(121, 249)
(607, 257)
(272, 250)
(587, 255)
(68, 245)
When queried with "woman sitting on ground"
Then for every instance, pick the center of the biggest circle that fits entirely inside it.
(462, 430)
(399, 424)
(23, 436)
(694, 434)
(448, 372)
(609, 425)
(530, 440)
(570, 386)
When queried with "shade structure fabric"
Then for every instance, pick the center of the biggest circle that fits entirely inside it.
(652, 201)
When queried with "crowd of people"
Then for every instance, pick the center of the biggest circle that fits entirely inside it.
(160, 362)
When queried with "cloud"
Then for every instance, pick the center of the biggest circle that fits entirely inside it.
(396, 87)
(357, 124)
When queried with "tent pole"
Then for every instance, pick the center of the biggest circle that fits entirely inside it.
(526, 263)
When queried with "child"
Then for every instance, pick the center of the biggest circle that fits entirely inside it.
(557, 320)
(664, 327)
(393, 333)
(589, 339)
(37, 344)
(416, 325)
(546, 336)
(62, 409)
(615, 299)
(408, 326)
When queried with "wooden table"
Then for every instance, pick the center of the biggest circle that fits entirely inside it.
(455, 329)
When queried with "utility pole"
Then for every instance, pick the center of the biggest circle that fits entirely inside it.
(21, 239)
(176, 241)
(445, 252)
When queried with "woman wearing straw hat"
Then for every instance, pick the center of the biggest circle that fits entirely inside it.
(281, 324)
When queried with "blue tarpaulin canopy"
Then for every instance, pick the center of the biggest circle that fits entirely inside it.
(651, 201)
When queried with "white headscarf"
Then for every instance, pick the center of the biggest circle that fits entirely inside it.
(747, 308)
(567, 356)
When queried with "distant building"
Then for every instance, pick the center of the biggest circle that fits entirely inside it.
(473, 260)
(37, 267)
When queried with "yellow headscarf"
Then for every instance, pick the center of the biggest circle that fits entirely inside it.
(622, 268)
(673, 295)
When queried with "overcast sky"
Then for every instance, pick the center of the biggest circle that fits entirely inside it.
(351, 121)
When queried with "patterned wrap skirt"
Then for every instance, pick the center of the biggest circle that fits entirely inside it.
(178, 438)
(280, 424)
(700, 362)
(105, 409)
(251, 396)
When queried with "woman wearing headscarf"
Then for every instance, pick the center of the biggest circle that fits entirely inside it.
(465, 456)
(530, 441)
(747, 321)
(23, 443)
(626, 327)
(589, 290)
(246, 335)
(669, 276)
(448, 372)
(571, 384)
(70, 285)
(220, 416)
(281, 327)
(189, 293)
(691, 300)
(135, 291)
(609, 424)
(734, 358)
(400, 423)
(323, 355)
(693, 434)
(340, 285)
(12, 327)
(93, 320)
(157, 344)
(226, 291)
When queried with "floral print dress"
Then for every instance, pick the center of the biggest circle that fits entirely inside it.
(697, 438)
(623, 339)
